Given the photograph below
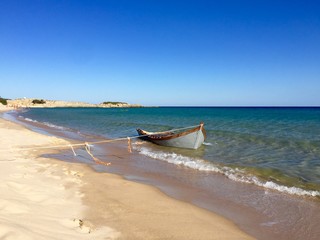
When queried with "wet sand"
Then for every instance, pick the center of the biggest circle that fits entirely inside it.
(264, 214)
(45, 198)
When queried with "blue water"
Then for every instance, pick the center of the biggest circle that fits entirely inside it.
(273, 147)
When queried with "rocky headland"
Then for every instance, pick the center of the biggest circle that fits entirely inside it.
(41, 103)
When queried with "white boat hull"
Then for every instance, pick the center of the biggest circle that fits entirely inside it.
(191, 139)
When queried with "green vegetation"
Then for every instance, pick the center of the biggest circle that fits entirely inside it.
(114, 103)
(37, 101)
(3, 101)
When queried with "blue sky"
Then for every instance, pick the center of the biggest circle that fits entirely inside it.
(208, 53)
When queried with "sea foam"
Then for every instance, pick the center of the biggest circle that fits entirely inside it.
(234, 174)
(54, 126)
(30, 120)
(45, 123)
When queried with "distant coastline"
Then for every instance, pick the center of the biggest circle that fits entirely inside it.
(43, 103)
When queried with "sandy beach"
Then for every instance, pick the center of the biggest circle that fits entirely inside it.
(49, 199)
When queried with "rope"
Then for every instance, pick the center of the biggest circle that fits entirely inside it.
(87, 146)
(74, 153)
(129, 145)
(98, 161)
(96, 142)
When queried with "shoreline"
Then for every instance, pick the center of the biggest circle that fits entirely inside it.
(260, 212)
(159, 216)
(37, 103)
(40, 198)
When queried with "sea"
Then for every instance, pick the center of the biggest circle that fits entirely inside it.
(262, 159)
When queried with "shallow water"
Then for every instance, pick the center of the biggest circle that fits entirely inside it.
(272, 147)
(262, 211)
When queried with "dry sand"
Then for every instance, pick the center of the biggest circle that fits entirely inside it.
(50, 199)
(39, 199)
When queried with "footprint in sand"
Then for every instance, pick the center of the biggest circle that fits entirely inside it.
(72, 172)
(86, 227)
(77, 224)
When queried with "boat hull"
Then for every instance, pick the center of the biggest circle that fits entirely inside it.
(191, 139)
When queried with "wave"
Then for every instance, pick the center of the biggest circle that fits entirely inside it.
(234, 174)
(54, 126)
(45, 123)
(30, 120)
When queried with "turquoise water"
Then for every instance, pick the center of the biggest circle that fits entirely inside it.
(275, 148)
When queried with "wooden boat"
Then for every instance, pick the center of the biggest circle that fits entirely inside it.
(192, 138)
